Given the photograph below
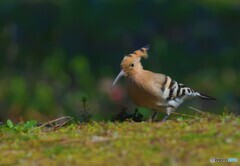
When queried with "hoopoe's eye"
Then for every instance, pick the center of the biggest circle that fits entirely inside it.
(132, 65)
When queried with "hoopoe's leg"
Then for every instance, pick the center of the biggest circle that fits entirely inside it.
(153, 117)
(165, 117)
(168, 112)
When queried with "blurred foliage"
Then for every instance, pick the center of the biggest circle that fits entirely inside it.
(55, 52)
(22, 127)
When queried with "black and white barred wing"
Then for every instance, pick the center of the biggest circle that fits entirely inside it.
(175, 93)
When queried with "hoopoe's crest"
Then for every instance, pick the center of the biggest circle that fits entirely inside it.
(153, 90)
(131, 62)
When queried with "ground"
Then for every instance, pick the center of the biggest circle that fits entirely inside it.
(175, 142)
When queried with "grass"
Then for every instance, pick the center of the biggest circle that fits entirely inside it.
(175, 142)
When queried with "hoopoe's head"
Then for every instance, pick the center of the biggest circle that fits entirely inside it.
(131, 63)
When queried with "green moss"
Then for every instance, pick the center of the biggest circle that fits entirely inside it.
(182, 142)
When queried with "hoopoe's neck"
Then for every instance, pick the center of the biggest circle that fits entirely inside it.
(138, 78)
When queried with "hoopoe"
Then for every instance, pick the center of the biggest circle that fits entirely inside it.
(154, 91)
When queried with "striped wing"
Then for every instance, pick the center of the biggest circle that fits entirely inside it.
(175, 93)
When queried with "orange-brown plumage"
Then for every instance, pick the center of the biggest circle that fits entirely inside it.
(143, 88)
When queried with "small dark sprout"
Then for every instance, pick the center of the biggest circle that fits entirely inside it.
(85, 116)
(132, 65)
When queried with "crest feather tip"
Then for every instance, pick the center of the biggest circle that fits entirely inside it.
(147, 47)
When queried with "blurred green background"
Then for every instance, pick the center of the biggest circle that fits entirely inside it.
(53, 53)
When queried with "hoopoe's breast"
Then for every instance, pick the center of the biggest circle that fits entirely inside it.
(142, 95)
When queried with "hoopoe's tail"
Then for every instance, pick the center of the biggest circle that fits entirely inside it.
(205, 97)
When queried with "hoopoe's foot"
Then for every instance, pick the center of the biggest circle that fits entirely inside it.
(153, 117)
(165, 117)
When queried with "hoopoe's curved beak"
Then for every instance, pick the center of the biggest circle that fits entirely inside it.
(117, 78)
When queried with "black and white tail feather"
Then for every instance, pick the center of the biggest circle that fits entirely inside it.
(205, 97)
